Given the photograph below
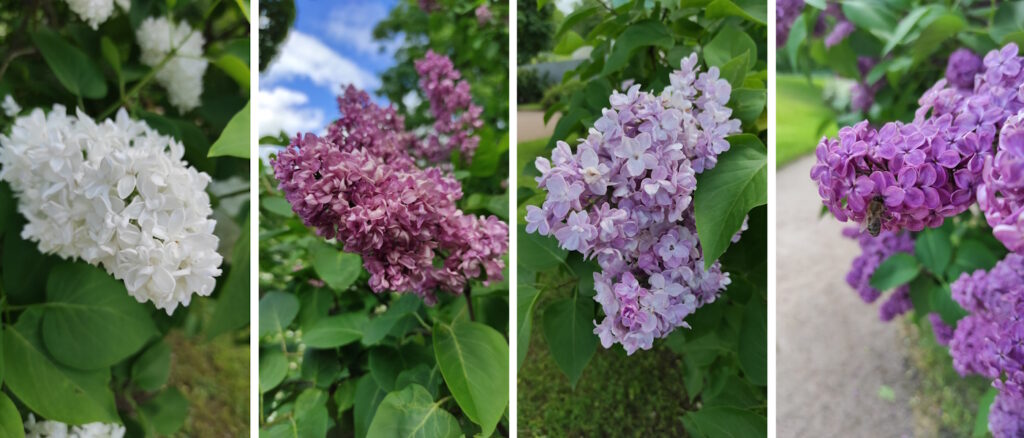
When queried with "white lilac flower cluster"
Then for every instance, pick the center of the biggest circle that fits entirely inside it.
(96, 12)
(56, 429)
(182, 75)
(624, 197)
(116, 194)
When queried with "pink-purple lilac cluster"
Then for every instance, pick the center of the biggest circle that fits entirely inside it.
(929, 169)
(624, 197)
(456, 117)
(874, 251)
(990, 340)
(357, 184)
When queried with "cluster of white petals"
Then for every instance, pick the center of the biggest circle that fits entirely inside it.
(116, 194)
(96, 12)
(182, 75)
(55, 429)
(10, 106)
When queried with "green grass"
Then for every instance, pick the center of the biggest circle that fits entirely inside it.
(529, 107)
(802, 118)
(622, 396)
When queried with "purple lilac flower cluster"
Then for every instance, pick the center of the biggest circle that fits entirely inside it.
(1004, 417)
(455, 116)
(943, 332)
(930, 168)
(483, 14)
(624, 198)
(786, 12)
(990, 340)
(874, 251)
(1001, 195)
(842, 29)
(358, 185)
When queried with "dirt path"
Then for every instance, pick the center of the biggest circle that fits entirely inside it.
(834, 355)
(531, 125)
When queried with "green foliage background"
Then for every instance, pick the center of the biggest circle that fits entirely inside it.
(106, 357)
(337, 359)
(722, 360)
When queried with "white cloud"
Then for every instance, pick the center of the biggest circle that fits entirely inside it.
(304, 56)
(282, 110)
(352, 24)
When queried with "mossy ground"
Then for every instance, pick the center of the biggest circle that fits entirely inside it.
(945, 403)
(622, 396)
(214, 376)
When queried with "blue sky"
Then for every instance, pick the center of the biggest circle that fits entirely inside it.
(330, 45)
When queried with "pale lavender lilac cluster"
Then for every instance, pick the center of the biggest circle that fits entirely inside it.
(456, 117)
(874, 251)
(990, 340)
(358, 185)
(926, 170)
(624, 197)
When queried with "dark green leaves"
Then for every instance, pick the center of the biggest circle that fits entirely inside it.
(728, 422)
(48, 388)
(90, 321)
(538, 252)
(74, 69)
(896, 270)
(527, 298)
(569, 331)
(933, 249)
(643, 34)
(336, 331)
(753, 347)
(738, 183)
(474, 362)
(151, 369)
(10, 419)
(337, 268)
(277, 310)
(411, 412)
(273, 369)
(234, 140)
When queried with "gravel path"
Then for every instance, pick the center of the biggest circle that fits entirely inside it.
(834, 355)
(531, 125)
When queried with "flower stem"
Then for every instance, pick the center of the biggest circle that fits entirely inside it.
(469, 302)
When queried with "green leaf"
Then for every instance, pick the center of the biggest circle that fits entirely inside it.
(939, 31)
(338, 269)
(488, 155)
(574, 18)
(933, 249)
(411, 412)
(277, 205)
(738, 183)
(645, 33)
(981, 420)
(22, 257)
(311, 413)
(236, 68)
(385, 364)
(945, 306)
(921, 290)
(75, 70)
(753, 347)
(527, 298)
(90, 321)
(971, 256)
(730, 43)
(736, 69)
(232, 311)
(315, 304)
(166, 412)
(48, 388)
(569, 42)
(1008, 19)
(797, 35)
(569, 332)
(151, 370)
(748, 104)
(273, 369)
(7, 214)
(336, 331)
(320, 367)
(421, 374)
(380, 326)
(10, 419)
(539, 253)
(345, 395)
(474, 362)
(896, 270)
(904, 28)
(875, 16)
(277, 311)
(234, 140)
(368, 397)
(755, 11)
(113, 57)
(729, 422)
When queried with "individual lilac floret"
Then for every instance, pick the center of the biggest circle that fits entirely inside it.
(990, 340)
(962, 67)
(456, 117)
(624, 197)
(926, 170)
(874, 251)
(1006, 417)
(943, 332)
(359, 186)
(1001, 195)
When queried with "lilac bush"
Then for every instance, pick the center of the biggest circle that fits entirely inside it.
(874, 250)
(360, 185)
(455, 115)
(624, 197)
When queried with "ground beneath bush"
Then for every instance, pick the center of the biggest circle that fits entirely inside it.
(214, 377)
(840, 370)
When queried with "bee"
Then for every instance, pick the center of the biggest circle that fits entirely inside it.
(873, 221)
